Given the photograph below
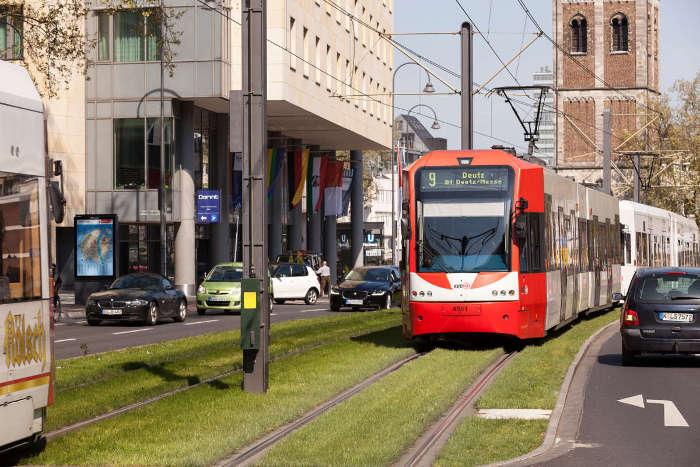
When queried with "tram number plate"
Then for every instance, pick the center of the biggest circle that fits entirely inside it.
(678, 317)
(111, 311)
(353, 302)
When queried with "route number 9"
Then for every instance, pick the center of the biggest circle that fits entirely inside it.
(431, 179)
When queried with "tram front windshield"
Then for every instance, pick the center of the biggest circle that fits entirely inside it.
(462, 217)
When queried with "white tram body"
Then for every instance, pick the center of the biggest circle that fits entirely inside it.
(26, 358)
(654, 237)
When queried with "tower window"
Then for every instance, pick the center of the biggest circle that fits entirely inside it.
(579, 31)
(619, 27)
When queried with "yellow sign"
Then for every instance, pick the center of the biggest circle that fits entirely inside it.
(24, 343)
(250, 300)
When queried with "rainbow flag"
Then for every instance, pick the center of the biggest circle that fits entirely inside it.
(301, 168)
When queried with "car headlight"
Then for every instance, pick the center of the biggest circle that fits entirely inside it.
(201, 289)
(137, 302)
(90, 302)
(335, 290)
(379, 292)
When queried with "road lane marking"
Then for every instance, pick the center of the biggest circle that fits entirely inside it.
(672, 416)
(129, 332)
(314, 309)
(59, 324)
(637, 401)
(81, 322)
(274, 314)
(201, 322)
(64, 340)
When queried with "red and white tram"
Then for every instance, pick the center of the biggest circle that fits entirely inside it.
(495, 244)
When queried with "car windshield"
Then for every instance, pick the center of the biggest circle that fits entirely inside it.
(136, 281)
(373, 275)
(674, 286)
(225, 274)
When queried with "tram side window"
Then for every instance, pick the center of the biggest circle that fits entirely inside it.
(532, 251)
(20, 261)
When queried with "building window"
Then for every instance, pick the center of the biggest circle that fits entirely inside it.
(579, 31)
(619, 27)
(136, 36)
(305, 44)
(137, 153)
(11, 25)
(292, 44)
(103, 19)
(317, 60)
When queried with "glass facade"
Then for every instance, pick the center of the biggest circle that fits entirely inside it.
(11, 26)
(139, 248)
(137, 153)
(135, 35)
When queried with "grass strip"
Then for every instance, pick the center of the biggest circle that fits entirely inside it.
(377, 425)
(199, 426)
(96, 384)
(531, 381)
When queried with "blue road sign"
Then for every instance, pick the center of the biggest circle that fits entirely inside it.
(208, 206)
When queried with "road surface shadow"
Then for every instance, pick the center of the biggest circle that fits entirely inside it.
(675, 361)
(160, 371)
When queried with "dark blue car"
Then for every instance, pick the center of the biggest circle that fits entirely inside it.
(368, 287)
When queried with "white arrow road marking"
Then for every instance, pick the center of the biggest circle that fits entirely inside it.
(201, 322)
(129, 332)
(637, 401)
(64, 340)
(672, 416)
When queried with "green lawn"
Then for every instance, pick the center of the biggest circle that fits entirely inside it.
(377, 425)
(206, 423)
(95, 384)
(531, 381)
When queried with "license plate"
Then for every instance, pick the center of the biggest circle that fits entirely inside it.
(353, 302)
(218, 299)
(679, 317)
(110, 311)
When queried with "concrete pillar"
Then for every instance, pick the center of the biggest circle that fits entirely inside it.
(185, 259)
(314, 219)
(220, 244)
(331, 242)
(276, 200)
(357, 221)
(297, 231)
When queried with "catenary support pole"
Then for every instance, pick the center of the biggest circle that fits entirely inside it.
(607, 184)
(637, 177)
(161, 186)
(357, 220)
(254, 45)
(466, 88)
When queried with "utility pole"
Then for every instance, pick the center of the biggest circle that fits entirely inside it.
(466, 72)
(254, 42)
(637, 177)
(161, 189)
(607, 128)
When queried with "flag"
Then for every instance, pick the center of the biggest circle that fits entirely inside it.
(333, 188)
(310, 180)
(347, 189)
(274, 166)
(301, 167)
(319, 181)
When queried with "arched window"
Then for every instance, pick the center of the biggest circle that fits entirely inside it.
(618, 24)
(579, 31)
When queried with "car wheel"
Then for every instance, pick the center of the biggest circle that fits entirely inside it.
(311, 296)
(279, 301)
(335, 307)
(201, 311)
(93, 322)
(151, 314)
(628, 357)
(387, 302)
(181, 312)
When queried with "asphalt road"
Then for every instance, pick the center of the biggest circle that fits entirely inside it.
(617, 433)
(74, 337)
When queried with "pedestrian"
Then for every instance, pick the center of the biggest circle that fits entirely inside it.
(57, 282)
(325, 272)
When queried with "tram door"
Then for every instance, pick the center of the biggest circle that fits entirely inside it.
(564, 249)
(610, 254)
(594, 242)
(574, 261)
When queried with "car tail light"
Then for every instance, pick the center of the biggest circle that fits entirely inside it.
(630, 318)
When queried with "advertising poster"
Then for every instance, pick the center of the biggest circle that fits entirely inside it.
(94, 247)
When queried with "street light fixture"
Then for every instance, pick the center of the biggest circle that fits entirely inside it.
(436, 124)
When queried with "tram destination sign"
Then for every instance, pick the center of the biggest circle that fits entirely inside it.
(464, 179)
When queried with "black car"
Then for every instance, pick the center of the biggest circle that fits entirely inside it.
(661, 313)
(141, 296)
(375, 287)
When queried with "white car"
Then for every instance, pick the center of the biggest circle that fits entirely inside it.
(294, 282)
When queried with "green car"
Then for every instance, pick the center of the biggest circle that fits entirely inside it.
(221, 288)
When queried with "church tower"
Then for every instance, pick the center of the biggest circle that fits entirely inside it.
(610, 60)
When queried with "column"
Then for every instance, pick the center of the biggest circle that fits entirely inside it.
(357, 221)
(185, 259)
(276, 200)
(331, 242)
(313, 228)
(297, 231)
(220, 244)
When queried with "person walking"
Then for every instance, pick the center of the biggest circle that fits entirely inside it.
(325, 273)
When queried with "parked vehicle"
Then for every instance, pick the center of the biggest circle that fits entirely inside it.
(301, 256)
(221, 289)
(294, 282)
(661, 313)
(373, 286)
(139, 296)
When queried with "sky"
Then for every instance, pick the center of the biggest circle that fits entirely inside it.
(505, 22)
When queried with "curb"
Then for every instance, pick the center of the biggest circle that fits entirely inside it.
(551, 440)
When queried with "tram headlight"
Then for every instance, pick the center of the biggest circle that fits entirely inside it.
(494, 292)
(511, 292)
(503, 292)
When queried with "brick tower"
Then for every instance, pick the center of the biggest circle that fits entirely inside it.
(618, 41)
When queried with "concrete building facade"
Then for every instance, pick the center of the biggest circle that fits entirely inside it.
(612, 62)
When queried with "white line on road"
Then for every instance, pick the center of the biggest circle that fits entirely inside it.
(201, 322)
(81, 322)
(274, 314)
(64, 340)
(314, 309)
(59, 324)
(129, 332)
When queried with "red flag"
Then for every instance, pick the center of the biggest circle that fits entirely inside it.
(321, 182)
(334, 188)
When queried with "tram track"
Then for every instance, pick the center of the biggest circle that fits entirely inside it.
(253, 452)
(425, 450)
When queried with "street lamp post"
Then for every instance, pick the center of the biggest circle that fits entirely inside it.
(394, 144)
(436, 124)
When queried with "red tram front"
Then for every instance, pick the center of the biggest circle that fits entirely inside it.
(497, 245)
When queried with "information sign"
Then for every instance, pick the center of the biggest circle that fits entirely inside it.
(95, 242)
(208, 206)
(464, 179)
